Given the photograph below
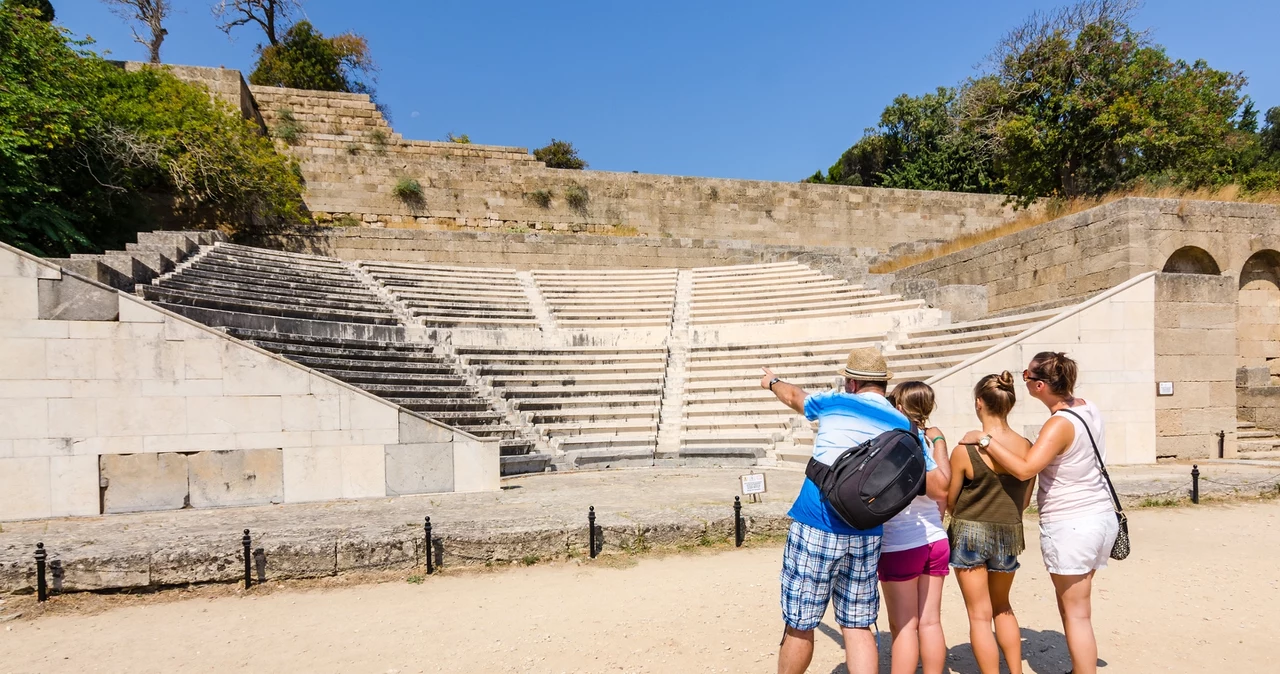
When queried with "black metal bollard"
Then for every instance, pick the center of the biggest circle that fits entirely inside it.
(1222, 444)
(739, 531)
(248, 560)
(431, 552)
(1195, 484)
(591, 526)
(42, 585)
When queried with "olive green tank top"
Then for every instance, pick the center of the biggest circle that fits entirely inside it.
(988, 514)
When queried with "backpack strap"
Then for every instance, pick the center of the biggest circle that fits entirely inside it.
(1098, 455)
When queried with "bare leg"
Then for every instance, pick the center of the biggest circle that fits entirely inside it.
(860, 650)
(1077, 620)
(933, 645)
(796, 651)
(903, 604)
(977, 601)
(1007, 632)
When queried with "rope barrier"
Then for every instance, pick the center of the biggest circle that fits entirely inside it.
(1273, 478)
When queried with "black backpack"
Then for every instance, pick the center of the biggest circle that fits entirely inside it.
(869, 484)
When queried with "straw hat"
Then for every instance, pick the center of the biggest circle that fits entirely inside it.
(866, 364)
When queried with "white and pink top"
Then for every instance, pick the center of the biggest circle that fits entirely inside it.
(1071, 485)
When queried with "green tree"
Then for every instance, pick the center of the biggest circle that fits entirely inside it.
(90, 153)
(306, 59)
(43, 8)
(1079, 103)
(559, 154)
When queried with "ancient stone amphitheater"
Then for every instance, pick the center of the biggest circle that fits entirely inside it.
(479, 333)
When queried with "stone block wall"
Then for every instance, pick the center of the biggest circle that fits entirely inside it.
(1195, 346)
(1112, 337)
(352, 160)
(108, 403)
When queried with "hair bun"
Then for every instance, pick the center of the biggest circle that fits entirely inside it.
(1005, 380)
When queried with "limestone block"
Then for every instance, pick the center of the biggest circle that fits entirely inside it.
(312, 474)
(114, 571)
(311, 412)
(476, 466)
(19, 298)
(138, 482)
(127, 357)
(72, 417)
(188, 442)
(399, 553)
(133, 310)
(202, 359)
(24, 488)
(416, 430)
(363, 471)
(23, 359)
(419, 468)
(235, 478)
(23, 418)
(73, 484)
(232, 414)
(367, 412)
(71, 299)
(129, 416)
(245, 371)
(69, 359)
(15, 265)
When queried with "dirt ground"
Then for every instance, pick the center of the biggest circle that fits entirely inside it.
(1200, 593)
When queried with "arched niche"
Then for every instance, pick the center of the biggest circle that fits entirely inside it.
(1258, 310)
(1191, 260)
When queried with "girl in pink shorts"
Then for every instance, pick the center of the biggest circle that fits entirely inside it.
(914, 551)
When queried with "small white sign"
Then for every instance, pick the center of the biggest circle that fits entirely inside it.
(1164, 388)
(753, 484)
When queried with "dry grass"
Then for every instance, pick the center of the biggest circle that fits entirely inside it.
(1054, 209)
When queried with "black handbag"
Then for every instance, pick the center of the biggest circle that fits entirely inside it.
(1120, 549)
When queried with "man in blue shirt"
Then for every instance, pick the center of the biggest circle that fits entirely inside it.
(824, 556)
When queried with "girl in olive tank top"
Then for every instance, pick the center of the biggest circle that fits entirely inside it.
(985, 531)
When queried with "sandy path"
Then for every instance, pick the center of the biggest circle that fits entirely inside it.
(1201, 593)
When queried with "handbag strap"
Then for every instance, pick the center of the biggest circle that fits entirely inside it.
(1098, 455)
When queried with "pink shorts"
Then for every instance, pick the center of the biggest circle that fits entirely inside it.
(905, 565)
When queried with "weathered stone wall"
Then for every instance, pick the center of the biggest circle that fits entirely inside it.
(1068, 259)
(1195, 345)
(1112, 337)
(1260, 405)
(109, 404)
(352, 161)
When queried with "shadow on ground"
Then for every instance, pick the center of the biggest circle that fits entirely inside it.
(1044, 651)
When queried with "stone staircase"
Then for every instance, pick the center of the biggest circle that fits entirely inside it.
(153, 255)
(670, 421)
(538, 303)
(1256, 443)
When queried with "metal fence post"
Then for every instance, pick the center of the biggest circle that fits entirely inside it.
(248, 559)
(739, 532)
(1195, 484)
(591, 525)
(431, 553)
(42, 585)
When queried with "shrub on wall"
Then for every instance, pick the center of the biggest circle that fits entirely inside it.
(540, 197)
(559, 154)
(577, 197)
(408, 190)
(288, 128)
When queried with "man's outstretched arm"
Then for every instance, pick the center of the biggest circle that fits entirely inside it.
(791, 395)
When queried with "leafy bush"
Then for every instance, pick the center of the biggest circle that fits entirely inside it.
(346, 220)
(408, 190)
(379, 139)
(91, 154)
(462, 139)
(306, 59)
(540, 197)
(352, 148)
(577, 197)
(559, 154)
(288, 128)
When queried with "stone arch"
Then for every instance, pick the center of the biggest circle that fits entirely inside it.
(1191, 260)
(1258, 312)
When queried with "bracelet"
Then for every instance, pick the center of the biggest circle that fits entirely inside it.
(774, 381)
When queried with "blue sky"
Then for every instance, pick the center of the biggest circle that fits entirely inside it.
(761, 90)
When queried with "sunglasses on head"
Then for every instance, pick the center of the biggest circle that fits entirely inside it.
(1026, 376)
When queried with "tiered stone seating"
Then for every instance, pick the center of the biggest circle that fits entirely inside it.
(412, 376)
(443, 296)
(782, 291)
(725, 410)
(608, 299)
(243, 280)
(929, 351)
(598, 405)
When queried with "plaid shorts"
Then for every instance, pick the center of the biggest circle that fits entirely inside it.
(815, 563)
